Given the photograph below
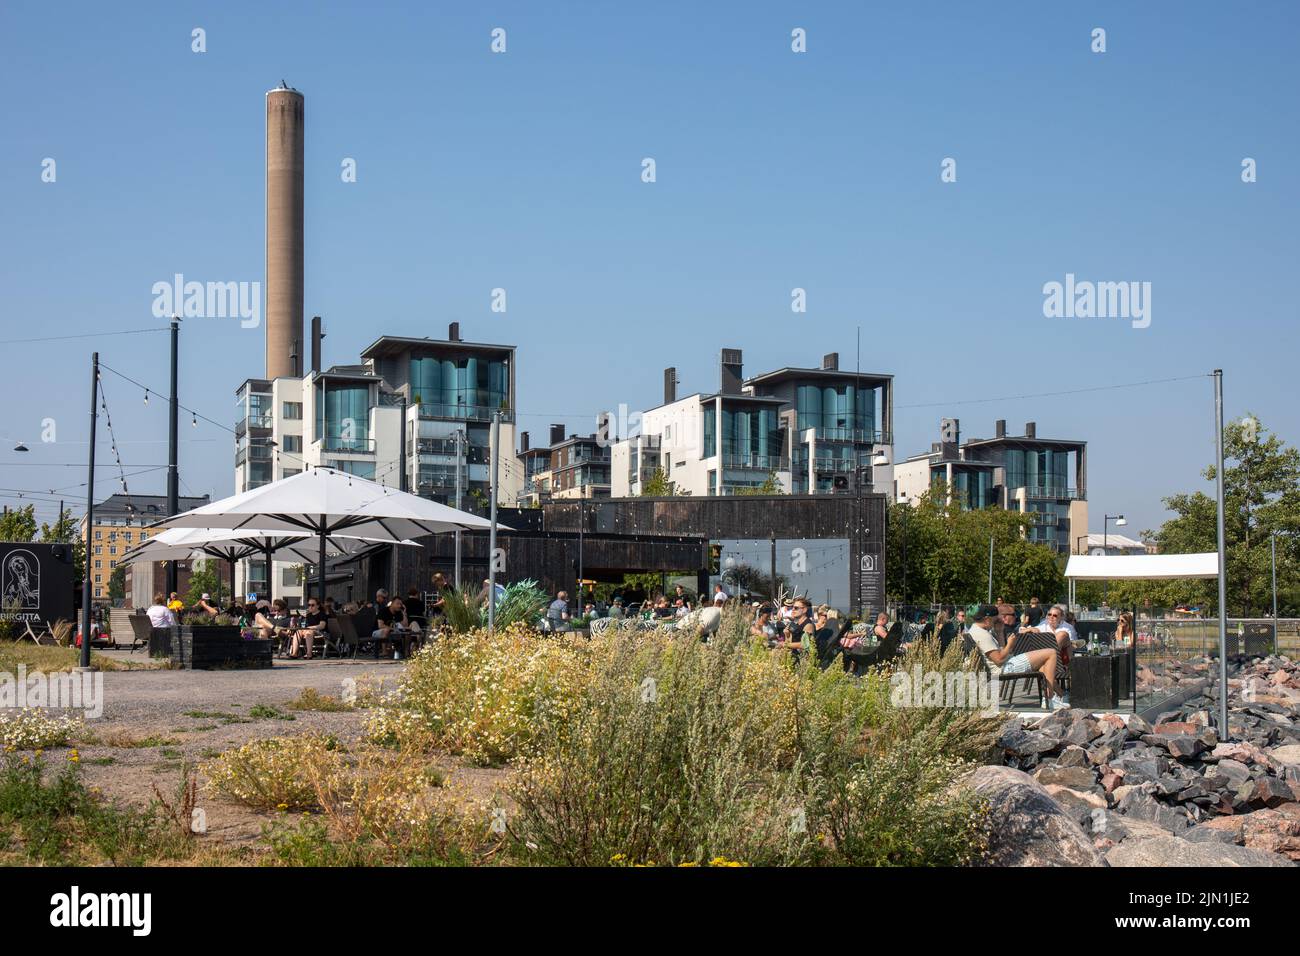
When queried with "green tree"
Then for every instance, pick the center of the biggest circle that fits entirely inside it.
(18, 524)
(659, 485)
(1261, 490)
(117, 584)
(205, 578)
(769, 487)
(938, 551)
(65, 531)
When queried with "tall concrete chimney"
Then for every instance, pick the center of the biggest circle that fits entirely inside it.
(284, 232)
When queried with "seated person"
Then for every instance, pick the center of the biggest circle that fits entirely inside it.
(175, 604)
(616, 610)
(881, 629)
(206, 606)
(1004, 661)
(160, 615)
(1007, 623)
(272, 620)
(313, 625)
(680, 608)
(662, 611)
(414, 604)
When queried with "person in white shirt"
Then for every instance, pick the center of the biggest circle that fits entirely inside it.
(1055, 623)
(1003, 661)
(719, 596)
(160, 615)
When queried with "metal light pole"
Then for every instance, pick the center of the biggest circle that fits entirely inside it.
(1223, 580)
(457, 436)
(1272, 549)
(86, 589)
(990, 601)
(173, 501)
(492, 530)
(1120, 521)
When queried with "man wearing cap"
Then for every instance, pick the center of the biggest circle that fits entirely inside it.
(205, 605)
(1004, 661)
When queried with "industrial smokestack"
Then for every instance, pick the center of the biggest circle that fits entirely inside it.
(284, 231)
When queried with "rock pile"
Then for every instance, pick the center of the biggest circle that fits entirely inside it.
(1146, 793)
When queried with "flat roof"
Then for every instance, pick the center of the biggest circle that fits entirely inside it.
(396, 344)
(789, 372)
(734, 396)
(1023, 440)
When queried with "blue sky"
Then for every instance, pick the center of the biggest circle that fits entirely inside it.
(775, 170)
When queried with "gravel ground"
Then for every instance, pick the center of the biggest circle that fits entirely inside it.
(147, 729)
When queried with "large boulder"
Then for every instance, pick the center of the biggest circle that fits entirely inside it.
(1172, 851)
(1027, 828)
(1276, 831)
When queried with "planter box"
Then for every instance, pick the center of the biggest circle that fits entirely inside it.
(213, 646)
(161, 641)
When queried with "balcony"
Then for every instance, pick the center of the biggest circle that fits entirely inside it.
(755, 462)
(348, 446)
(470, 413)
(1053, 492)
(860, 436)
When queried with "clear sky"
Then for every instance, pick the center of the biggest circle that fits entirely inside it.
(775, 170)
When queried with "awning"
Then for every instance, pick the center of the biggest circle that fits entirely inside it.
(1149, 567)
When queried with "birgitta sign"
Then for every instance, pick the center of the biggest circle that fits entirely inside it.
(35, 582)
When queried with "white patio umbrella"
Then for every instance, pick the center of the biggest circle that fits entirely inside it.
(323, 502)
(177, 544)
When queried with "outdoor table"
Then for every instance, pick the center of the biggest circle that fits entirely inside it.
(1096, 680)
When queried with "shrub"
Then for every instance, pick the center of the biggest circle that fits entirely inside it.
(276, 773)
(31, 729)
(681, 752)
(488, 698)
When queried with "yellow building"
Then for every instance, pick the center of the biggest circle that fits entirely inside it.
(120, 526)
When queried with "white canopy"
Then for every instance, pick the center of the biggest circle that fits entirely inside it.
(177, 544)
(324, 501)
(1150, 567)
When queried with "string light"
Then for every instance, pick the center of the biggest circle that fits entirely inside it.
(146, 396)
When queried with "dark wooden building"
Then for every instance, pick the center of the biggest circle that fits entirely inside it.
(610, 537)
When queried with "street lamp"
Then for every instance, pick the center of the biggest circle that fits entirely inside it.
(1120, 521)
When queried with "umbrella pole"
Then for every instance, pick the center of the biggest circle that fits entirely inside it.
(233, 599)
(320, 568)
(269, 574)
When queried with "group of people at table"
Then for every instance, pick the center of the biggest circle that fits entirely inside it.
(398, 623)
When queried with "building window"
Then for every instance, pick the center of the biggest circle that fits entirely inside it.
(98, 578)
(98, 534)
(293, 411)
(293, 443)
(99, 564)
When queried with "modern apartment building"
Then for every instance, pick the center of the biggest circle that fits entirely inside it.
(119, 526)
(1046, 476)
(813, 430)
(435, 398)
(576, 466)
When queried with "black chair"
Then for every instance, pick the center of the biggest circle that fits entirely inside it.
(363, 624)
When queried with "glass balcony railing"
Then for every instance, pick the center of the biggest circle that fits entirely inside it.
(472, 413)
(758, 462)
(1053, 491)
(350, 446)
